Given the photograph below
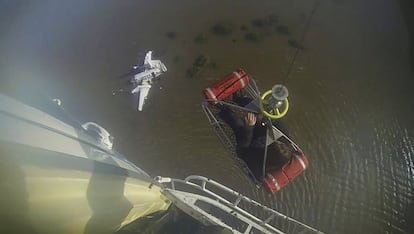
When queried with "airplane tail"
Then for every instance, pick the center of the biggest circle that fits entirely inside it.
(148, 58)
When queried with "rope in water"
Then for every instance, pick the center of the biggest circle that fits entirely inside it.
(305, 32)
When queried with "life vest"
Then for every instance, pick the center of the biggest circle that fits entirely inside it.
(227, 86)
(276, 180)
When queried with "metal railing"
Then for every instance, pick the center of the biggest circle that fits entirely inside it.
(202, 186)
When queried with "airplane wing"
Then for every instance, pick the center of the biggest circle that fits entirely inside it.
(139, 77)
(143, 93)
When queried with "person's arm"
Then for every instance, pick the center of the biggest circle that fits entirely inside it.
(247, 134)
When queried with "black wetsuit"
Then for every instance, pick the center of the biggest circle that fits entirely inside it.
(251, 140)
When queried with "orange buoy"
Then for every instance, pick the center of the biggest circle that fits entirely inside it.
(227, 86)
(278, 179)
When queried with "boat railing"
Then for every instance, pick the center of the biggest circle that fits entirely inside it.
(203, 184)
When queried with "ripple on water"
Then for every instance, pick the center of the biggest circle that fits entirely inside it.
(360, 175)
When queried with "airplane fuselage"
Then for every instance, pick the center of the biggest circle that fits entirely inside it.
(143, 80)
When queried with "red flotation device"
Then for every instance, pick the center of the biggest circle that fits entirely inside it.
(276, 180)
(226, 87)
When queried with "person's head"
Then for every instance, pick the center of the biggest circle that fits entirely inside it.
(278, 154)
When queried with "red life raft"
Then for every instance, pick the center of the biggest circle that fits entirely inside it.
(276, 180)
(227, 86)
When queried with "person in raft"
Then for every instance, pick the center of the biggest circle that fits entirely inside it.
(250, 133)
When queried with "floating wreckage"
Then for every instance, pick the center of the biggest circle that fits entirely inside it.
(142, 80)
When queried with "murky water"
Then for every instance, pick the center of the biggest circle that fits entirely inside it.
(350, 92)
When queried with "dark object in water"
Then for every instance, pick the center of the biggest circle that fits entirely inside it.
(258, 22)
(282, 29)
(295, 44)
(200, 63)
(272, 19)
(193, 72)
(171, 35)
(223, 28)
(213, 65)
(243, 28)
(267, 21)
(253, 37)
(201, 38)
(234, 40)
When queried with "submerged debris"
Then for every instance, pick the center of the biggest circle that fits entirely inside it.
(223, 28)
(269, 20)
(295, 44)
(201, 61)
(263, 27)
(244, 28)
(193, 72)
(201, 38)
(213, 65)
(272, 19)
(282, 29)
(258, 22)
(252, 37)
(199, 64)
(171, 35)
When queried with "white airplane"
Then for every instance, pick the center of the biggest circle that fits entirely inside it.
(143, 80)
